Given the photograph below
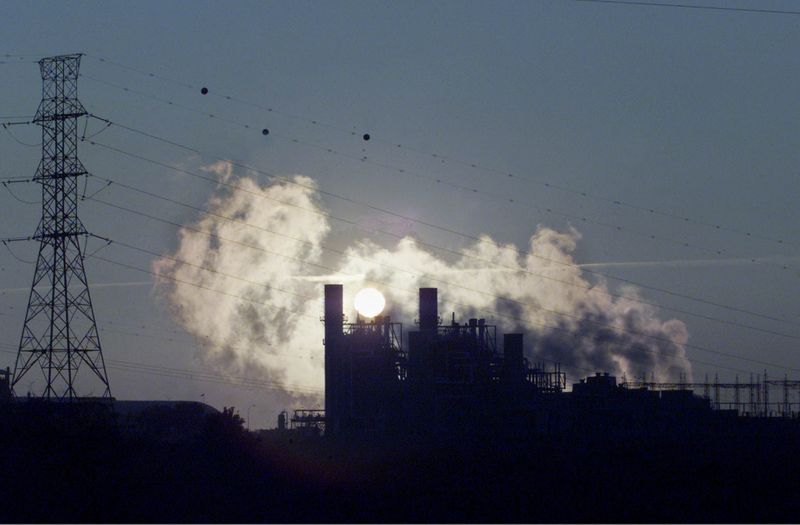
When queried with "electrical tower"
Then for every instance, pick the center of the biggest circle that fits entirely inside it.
(60, 335)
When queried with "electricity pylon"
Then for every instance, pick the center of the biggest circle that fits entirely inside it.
(60, 334)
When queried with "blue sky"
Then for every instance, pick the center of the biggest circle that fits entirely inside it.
(691, 113)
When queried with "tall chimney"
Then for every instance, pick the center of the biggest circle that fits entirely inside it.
(334, 310)
(514, 365)
(334, 319)
(428, 309)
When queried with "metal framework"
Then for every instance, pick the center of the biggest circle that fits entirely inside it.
(552, 382)
(60, 335)
(386, 334)
(756, 403)
(309, 421)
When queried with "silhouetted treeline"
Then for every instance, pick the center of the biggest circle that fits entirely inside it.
(72, 464)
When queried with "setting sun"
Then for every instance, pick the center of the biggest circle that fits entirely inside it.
(369, 302)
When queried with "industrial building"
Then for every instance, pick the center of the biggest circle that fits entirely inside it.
(452, 379)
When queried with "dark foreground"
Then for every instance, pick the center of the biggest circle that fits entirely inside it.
(79, 467)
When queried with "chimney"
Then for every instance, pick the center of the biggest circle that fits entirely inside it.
(473, 328)
(428, 309)
(514, 364)
(334, 319)
(334, 311)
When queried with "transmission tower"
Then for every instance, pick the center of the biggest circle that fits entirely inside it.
(60, 335)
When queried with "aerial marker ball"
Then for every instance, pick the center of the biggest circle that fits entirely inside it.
(265, 131)
(204, 91)
(366, 136)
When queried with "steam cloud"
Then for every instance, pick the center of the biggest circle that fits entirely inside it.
(269, 262)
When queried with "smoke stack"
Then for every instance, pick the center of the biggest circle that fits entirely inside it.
(512, 353)
(334, 319)
(334, 308)
(428, 309)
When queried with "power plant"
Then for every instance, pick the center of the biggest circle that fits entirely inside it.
(453, 379)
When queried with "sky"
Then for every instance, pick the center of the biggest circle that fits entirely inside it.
(647, 156)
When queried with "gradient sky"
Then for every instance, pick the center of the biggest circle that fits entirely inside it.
(692, 113)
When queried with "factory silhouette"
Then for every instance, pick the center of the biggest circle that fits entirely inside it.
(455, 428)
(453, 380)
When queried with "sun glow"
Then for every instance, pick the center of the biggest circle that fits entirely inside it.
(369, 302)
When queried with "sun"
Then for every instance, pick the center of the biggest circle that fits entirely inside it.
(369, 302)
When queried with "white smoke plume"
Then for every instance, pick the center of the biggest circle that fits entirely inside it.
(257, 262)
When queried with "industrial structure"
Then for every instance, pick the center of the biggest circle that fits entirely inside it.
(755, 398)
(60, 336)
(451, 375)
(453, 379)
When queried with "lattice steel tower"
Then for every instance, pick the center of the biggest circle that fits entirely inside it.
(60, 335)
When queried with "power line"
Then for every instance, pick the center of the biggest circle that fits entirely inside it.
(6, 185)
(140, 326)
(138, 334)
(343, 252)
(422, 243)
(191, 376)
(503, 198)
(207, 269)
(23, 55)
(508, 174)
(213, 235)
(203, 340)
(181, 281)
(498, 314)
(691, 6)
(582, 219)
(495, 313)
(5, 126)
(242, 380)
(199, 375)
(246, 382)
(197, 338)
